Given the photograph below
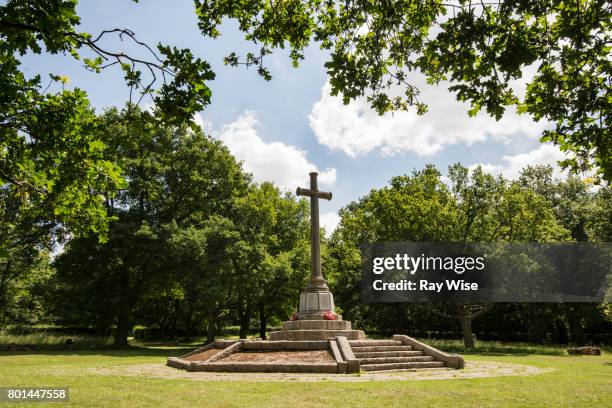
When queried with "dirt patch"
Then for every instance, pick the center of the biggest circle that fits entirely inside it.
(310, 356)
(203, 356)
(473, 369)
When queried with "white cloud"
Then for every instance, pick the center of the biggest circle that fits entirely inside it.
(285, 165)
(511, 168)
(329, 221)
(356, 129)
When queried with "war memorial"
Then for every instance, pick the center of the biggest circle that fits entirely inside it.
(316, 340)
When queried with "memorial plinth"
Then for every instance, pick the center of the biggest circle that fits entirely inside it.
(316, 330)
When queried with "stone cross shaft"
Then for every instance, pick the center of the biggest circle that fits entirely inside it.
(316, 282)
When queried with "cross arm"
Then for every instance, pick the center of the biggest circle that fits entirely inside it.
(306, 192)
(324, 195)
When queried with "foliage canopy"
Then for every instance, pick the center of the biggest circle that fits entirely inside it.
(477, 48)
(49, 153)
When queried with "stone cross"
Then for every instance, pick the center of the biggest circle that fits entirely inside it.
(316, 282)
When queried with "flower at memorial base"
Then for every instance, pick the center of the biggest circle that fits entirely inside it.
(294, 316)
(329, 315)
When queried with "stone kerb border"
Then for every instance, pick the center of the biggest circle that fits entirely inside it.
(200, 350)
(347, 354)
(450, 360)
(335, 350)
(178, 362)
(285, 345)
(244, 367)
(229, 347)
(222, 354)
(219, 344)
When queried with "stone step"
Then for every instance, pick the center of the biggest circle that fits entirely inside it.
(374, 354)
(369, 343)
(402, 366)
(366, 349)
(388, 360)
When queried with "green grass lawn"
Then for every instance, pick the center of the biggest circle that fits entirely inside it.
(576, 381)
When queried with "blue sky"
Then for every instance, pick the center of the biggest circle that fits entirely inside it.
(289, 126)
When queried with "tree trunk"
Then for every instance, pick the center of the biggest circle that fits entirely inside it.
(245, 321)
(262, 321)
(123, 320)
(212, 326)
(538, 323)
(188, 322)
(402, 321)
(575, 327)
(174, 323)
(466, 327)
(184, 313)
(4, 284)
(101, 328)
(455, 329)
(123, 324)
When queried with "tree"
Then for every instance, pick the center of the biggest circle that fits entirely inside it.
(479, 47)
(175, 175)
(100, 284)
(273, 264)
(52, 161)
(250, 263)
(416, 207)
(24, 245)
(476, 207)
(581, 208)
(585, 213)
(494, 210)
(49, 153)
(201, 268)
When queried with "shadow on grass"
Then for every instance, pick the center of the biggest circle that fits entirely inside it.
(505, 354)
(54, 344)
(507, 351)
(110, 352)
(94, 346)
(496, 348)
(492, 348)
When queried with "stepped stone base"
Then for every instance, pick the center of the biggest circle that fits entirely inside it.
(350, 355)
(316, 330)
(296, 335)
(317, 325)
